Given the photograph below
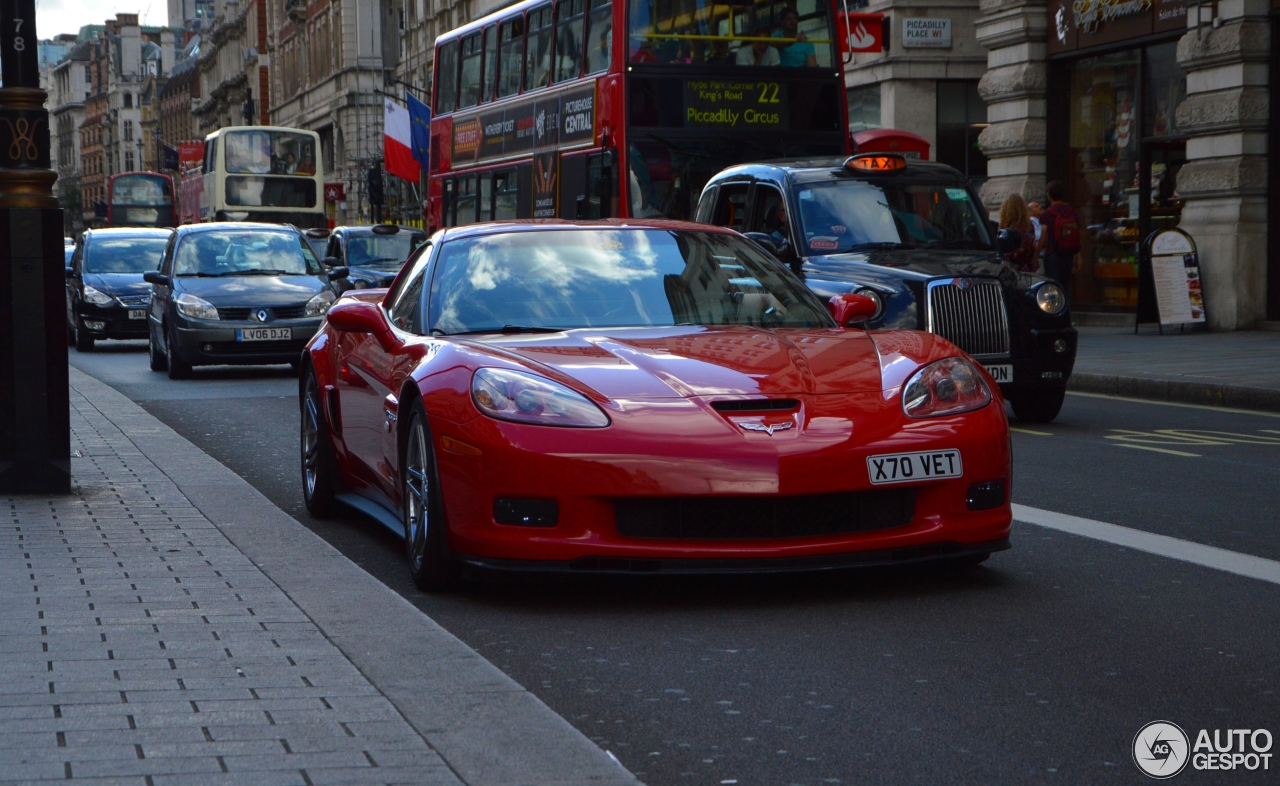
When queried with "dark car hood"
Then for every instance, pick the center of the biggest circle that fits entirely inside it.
(669, 362)
(117, 284)
(252, 290)
(891, 266)
(376, 275)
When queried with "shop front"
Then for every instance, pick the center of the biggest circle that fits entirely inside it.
(1119, 148)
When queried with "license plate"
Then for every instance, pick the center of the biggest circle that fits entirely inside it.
(137, 313)
(265, 334)
(1000, 373)
(908, 467)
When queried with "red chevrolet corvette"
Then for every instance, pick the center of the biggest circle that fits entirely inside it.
(643, 396)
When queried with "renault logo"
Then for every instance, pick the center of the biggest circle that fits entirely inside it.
(261, 315)
(767, 428)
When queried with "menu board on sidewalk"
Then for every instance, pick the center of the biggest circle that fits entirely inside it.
(1175, 272)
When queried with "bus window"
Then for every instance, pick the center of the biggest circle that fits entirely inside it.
(469, 83)
(466, 201)
(537, 63)
(568, 40)
(599, 36)
(505, 192)
(490, 63)
(447, 78)
(711, 32)
(512, 56)
(211, 156)
(486, 196)
(448, 204)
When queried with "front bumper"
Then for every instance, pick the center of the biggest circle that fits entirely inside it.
(214, 343)
(1038, 363)
(115, 321)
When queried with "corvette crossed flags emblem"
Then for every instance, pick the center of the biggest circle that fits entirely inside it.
(767, 428)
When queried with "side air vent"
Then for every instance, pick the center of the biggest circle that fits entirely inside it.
(756, 405)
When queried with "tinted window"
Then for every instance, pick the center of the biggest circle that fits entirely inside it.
(408, 294)
(614, 278)
(568, 51)
(469, 83)
(710, 32)
(447, 78)
(270, 153)
(252, 191)
(490, 62)
(242, 252)
(512, 56)
(847, 214)
(141, 190)
(599, 36)
(380, 249)
(123, 254)
(538, 54)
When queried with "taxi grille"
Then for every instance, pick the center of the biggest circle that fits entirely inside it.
(754, 517)
(972, 317)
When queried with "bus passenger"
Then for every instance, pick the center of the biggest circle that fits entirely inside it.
(799, 53)
(757, 53)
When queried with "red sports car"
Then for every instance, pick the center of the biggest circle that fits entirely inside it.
(644, 396)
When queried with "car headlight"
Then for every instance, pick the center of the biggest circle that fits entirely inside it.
(194, 307)
(875, 296)
(946, 387)
(97, 296)
(529, 398)
(1051, 299)
(319, 305)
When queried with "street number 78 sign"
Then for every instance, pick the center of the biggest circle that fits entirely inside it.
(18, 43)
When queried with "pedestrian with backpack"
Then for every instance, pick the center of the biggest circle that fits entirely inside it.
(1059, 236)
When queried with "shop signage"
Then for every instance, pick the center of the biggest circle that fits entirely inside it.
(735, 103)
(190, 154)
(553, 120)
(1091, 13)
(860, 32)
(920, 33)
(1175, 276)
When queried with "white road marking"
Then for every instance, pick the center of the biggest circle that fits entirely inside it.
(1209, 407)
(1021, 430)
(1156, 450)
(1162, 545)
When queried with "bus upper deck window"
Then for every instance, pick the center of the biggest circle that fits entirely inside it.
(538, 53)
(511, 57)
(469, 83)
(447, 78)
(490, 63)
(599, 36)
(568, 52)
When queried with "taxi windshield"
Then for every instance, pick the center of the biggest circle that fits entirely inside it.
(852, 215)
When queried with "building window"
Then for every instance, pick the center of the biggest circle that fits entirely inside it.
(128, 130)
(128, 100)
(864, 108)
(128, 161)
(962, 114)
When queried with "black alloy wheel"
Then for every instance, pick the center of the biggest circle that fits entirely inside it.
(84, 341)
(319, 468)
(178, 368)
(1037, 406)
(423, 514)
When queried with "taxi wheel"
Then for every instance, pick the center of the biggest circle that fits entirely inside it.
(178, 368)
(1037, 406)
(84, 341)
(319, 468)
(423, 513)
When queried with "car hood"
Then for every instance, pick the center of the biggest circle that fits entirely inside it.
(375, 274)
(252, 290)
(683, 362)
(117, 284)
(891, 266)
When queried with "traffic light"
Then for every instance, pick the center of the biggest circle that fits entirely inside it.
(375, 185)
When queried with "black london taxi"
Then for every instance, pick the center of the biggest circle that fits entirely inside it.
(913, 236)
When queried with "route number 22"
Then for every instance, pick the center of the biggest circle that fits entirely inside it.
(768, 93)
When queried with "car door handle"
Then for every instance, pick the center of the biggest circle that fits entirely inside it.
(391, 409)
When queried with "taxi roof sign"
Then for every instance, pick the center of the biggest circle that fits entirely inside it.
(877, 163)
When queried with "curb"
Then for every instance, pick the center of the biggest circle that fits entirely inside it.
(1204, 393)
(486, 727)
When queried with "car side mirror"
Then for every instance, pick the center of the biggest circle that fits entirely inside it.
(361, 316)
(850, 309)
(155, 277)
(331, 262)
(338, 272)
(1009, 240)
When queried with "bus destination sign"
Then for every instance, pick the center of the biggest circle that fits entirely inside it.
(735, 103)
(550, 121)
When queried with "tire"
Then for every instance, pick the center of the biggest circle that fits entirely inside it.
(71, 334)
(1037, 406)
(319, 467)
(178, 368)
(422, 512)
(158, 361)
(83, 341)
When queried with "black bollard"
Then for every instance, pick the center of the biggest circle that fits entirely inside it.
(35, 431)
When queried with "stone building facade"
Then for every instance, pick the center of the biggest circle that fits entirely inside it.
(177, 99)
(233, 66)
(69, 87)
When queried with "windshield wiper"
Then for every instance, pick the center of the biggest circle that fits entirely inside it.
(954, 243)
(505, 330)
(872, 246)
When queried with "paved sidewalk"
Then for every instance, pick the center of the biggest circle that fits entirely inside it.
(1239, 369)
(165, 624)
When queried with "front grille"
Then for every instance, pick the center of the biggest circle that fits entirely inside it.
(238, 314)
(134, 301)
(753, 518)
(972, 317)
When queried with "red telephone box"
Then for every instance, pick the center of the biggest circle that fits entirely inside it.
(887, 140)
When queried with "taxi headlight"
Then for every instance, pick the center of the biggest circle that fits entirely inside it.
(528, 398)
(947, 387)
(319, 305)
(194, 307)
(1051, 299)
(96, 296)
(875, 296)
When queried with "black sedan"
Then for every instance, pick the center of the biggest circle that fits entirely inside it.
(106, 296)
(373, 254)
(236, 294)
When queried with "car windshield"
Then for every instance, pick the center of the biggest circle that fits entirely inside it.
(244, 252)
(381, 249)
(565, 279)
(847, 215)
(123, 254)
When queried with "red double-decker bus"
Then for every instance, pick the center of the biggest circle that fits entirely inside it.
(140, 199)
(604, 108)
